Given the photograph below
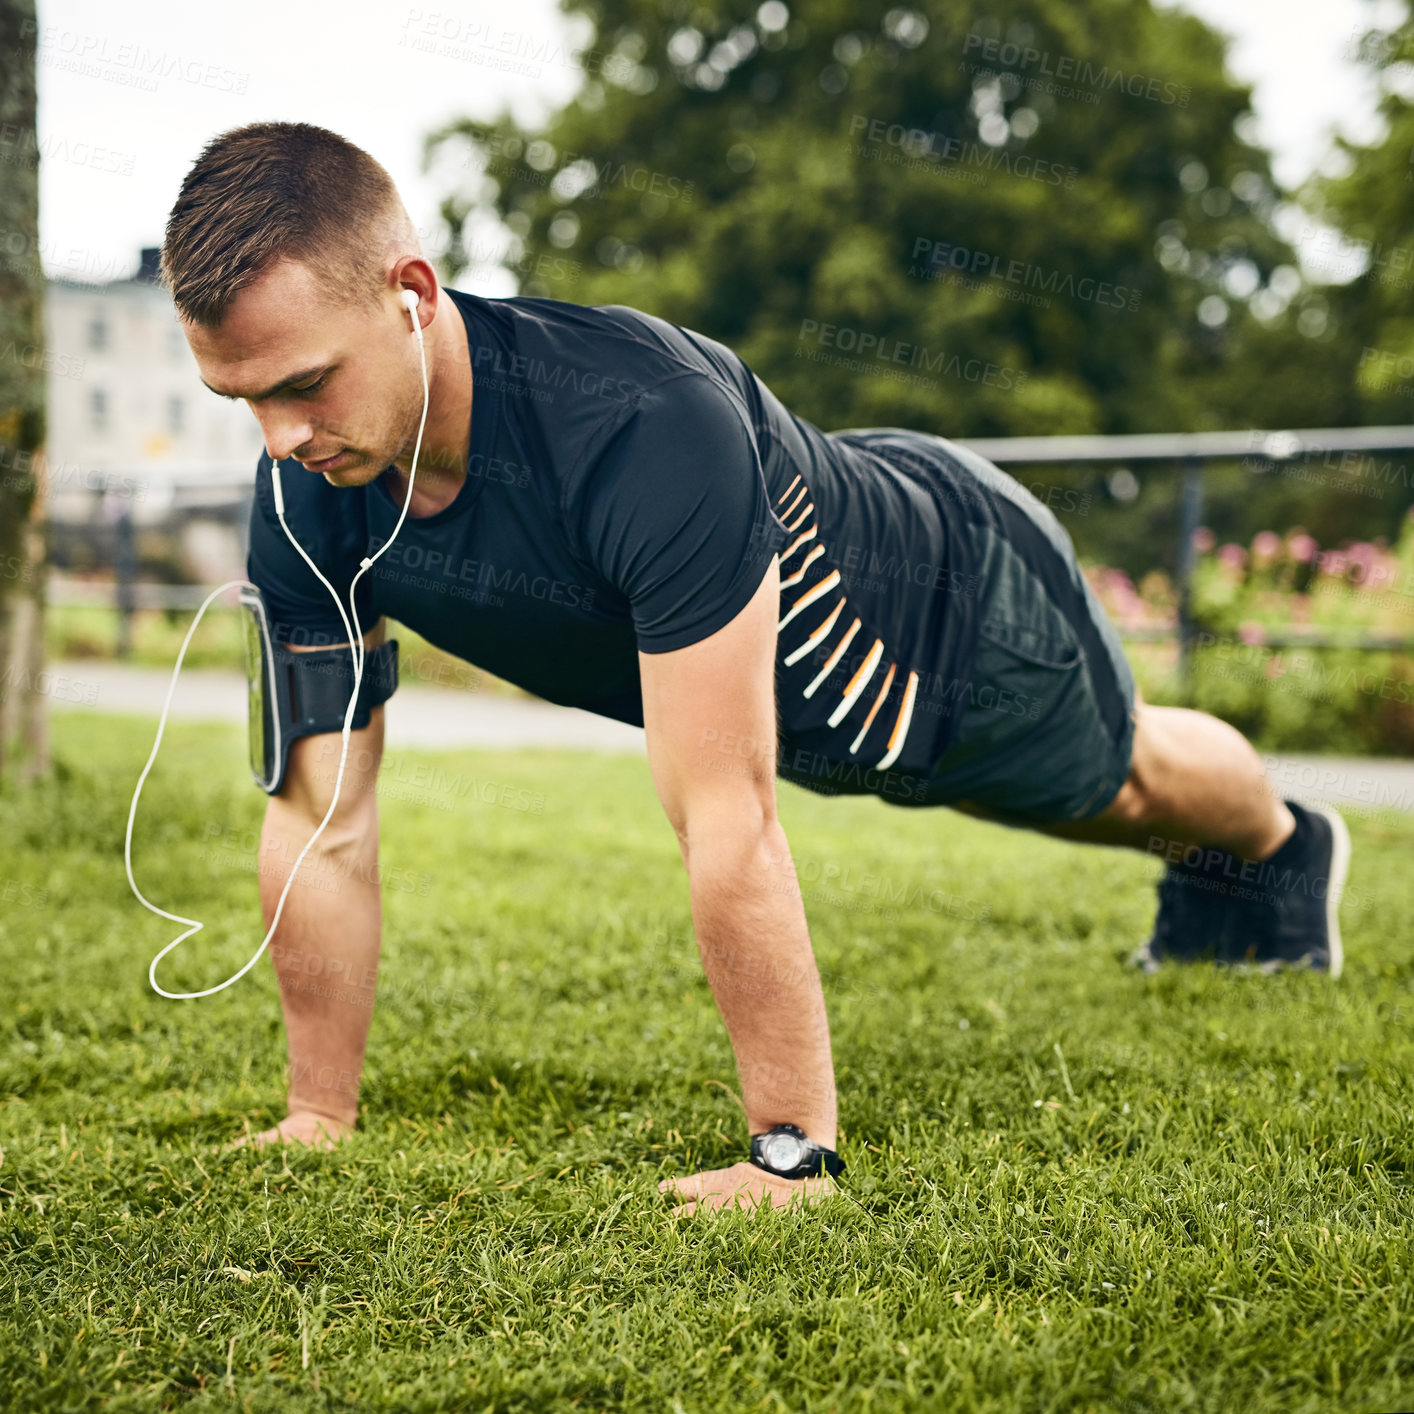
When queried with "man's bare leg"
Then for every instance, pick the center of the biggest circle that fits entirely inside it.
(1193, 780)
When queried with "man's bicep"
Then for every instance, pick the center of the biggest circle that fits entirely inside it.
(709, 713)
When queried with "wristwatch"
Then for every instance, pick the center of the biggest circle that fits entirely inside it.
(786, 1151)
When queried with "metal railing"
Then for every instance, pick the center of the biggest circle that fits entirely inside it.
(1188, 452)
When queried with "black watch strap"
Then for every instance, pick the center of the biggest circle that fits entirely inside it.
(817, 1159)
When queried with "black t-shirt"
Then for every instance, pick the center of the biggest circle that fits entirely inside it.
(627, 484)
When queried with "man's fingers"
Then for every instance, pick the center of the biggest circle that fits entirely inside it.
(696, 1185)
(742, 1186)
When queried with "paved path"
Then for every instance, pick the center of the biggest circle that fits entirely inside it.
(416, 716)
(436, 716)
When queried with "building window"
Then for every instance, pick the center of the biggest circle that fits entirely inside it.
(98, 332)
(175, 420)
(98, 409)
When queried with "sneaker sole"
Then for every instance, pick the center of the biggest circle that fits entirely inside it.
(1335, 885)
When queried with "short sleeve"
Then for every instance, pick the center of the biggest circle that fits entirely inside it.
(301, 609)
(675, 513)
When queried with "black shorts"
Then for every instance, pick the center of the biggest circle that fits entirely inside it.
(1048, 729)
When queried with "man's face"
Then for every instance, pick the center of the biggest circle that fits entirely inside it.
(323, 378)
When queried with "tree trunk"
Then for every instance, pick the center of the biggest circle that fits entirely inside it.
(23, 721)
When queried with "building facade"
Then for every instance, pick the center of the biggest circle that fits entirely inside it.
(133, 431)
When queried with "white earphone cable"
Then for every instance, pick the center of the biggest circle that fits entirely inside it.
(356, 646)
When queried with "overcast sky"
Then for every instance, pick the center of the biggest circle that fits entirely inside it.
(127, 100)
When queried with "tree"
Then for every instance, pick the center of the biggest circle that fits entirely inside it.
(1372, 204)
(1040, 221)
(918, 216)
(23, 722)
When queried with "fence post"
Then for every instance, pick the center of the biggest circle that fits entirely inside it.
(126, 575)
(1190, 516)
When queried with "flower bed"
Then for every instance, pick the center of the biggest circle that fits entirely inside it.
(1254, 606)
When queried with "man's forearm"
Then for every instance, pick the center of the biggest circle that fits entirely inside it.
(755, 949)
(325, 953)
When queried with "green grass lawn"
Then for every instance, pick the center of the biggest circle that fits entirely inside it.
(1078, 1187)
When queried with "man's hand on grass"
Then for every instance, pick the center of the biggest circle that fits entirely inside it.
(299, 1127)
(743, 1185)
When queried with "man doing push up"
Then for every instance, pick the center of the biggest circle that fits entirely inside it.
(615, 513)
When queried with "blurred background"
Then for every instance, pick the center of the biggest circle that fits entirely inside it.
(1157, 260)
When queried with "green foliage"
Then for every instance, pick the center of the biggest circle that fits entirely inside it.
(1076, 1186)
(1336, 700)
(1373, 204)
(792, 192)
(763, 184)
(1253, 608)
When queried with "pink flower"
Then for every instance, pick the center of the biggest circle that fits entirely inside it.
(1204, 540)
(1233, 556)
(1250, 631)
(1302, 547)
(1380, 570)
(1333, 562)
(1265, 545)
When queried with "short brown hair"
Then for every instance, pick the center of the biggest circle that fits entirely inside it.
(270, 191)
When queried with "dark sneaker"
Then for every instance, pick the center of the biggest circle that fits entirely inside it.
(1304, 881)
(1203, 913)
(1276, 912)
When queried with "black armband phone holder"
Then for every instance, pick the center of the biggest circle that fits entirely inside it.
(293, 694)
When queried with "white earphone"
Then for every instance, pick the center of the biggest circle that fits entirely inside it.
(410, 302)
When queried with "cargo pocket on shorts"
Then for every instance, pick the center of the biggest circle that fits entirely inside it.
(1025, 729)
(1029, 673)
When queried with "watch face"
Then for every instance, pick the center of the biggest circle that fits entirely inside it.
(783, 1151)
